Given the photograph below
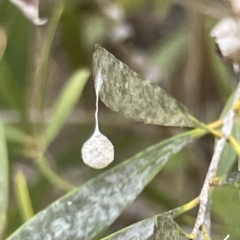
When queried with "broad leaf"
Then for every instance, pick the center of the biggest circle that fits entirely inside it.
(66, 102)
(88, 210)
(3, 178)
(126, 92)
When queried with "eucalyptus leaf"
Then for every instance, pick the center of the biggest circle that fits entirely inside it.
(228, 156)
(222, 73)
(167, 229)
(144, 229)
(66, 102)
(126, 92)
(90, 209)
(3, 178)
(141, 230)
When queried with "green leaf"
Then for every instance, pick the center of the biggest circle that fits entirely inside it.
(167, 229)
(228, 156)
(3, 41)
(66, 102)
(23, 197)
(222, 72)
(43, 58)
(226, 209)
(140, 230)
(3, 178)
(126, 92)
(144, 229)
(90, 209)
(72, 33)
(9, 91)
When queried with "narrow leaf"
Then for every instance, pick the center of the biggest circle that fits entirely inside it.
(44, 53)
(3, 178)
(144, 229)
(167, 229)
(22, 195)
(90, 209)
(66, 102)
(228, 156)
(9, 90)
(3, 41)
(126, 92)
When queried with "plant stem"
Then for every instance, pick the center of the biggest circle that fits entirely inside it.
(186, 207)
(204, 195)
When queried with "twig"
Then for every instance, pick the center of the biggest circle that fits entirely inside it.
(204, 195)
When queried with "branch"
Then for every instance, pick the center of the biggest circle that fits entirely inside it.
(228, 122)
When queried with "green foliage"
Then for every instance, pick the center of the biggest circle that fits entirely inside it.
(66, 102)
(42, 124)
(126, 92)
(4, 185)
(116, 189)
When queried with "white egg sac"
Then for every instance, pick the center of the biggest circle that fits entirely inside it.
(98, 151)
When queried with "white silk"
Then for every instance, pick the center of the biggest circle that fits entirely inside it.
(97, 151)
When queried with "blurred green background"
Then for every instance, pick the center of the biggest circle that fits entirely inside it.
(167, 42)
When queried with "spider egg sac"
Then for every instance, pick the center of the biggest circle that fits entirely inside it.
(98, 151)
